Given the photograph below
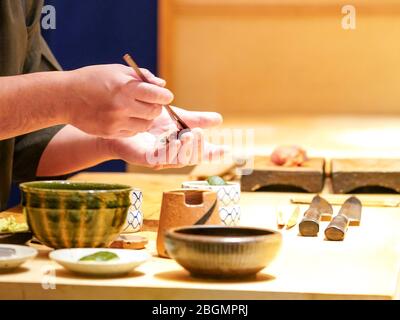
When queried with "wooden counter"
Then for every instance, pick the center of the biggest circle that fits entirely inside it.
(364, 266)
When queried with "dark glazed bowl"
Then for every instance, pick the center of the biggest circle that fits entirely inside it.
(223, 252)
(63, 214)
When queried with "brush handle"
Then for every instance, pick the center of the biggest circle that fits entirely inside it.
(337, 228)
(309, 225)
(135, 67)
(128, 59)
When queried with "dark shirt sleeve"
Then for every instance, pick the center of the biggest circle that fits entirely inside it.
(30, 147)
(28, 151)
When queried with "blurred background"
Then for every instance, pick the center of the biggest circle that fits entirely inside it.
(287, 68)
(100, 32)
(272, 57)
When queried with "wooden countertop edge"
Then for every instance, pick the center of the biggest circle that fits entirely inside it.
(69, 292)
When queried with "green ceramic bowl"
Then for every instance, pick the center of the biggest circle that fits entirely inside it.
(64, 214)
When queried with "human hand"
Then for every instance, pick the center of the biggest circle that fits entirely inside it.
(111, 101)
(150, 148)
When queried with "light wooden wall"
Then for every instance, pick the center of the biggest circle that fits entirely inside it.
(259, 57)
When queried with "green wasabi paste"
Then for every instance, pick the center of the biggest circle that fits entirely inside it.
(100, 256)
(216, 181)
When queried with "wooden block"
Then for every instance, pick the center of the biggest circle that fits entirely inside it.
(348, 175)
(130, 242)
(309, 177)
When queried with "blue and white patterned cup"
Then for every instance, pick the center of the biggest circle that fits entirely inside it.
(228, 196)
(134, 220)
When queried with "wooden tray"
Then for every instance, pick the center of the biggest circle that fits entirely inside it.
(350, 175)
(266, 175)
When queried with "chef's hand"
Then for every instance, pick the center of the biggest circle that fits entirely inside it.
(111, 101)
(152, 149)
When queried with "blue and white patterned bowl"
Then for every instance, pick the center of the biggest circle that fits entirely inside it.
(134, 220)
(228, 196)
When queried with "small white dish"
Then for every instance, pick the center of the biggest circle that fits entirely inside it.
(17, 256)
(128, 260)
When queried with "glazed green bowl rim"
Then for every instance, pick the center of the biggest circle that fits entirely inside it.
(262, 236)
(33, 186)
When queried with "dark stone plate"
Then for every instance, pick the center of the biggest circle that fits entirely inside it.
(15, 238)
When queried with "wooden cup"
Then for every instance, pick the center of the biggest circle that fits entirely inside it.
(186, 207)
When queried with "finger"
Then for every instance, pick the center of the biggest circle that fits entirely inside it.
(213, 153)
(164, 130)
(126, 134)
(169, 166)
(144, 110)
(150, 77)
(186, 150)
(173, 151)
(147, 73)
(199, 119)
(135, 125)
(150, 93)
(168, 155)
(118, 135)
(197, 155)
(153, 79)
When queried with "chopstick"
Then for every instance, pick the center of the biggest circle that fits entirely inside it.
(280, 221)
(293, 218)
(179, 122)
(339, 200)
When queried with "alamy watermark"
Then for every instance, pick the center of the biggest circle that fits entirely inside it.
(49, 18)
(348, 22)
(48, 277)
(239, 149)
(350, 16)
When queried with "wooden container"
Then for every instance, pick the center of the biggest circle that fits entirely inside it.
(186, 207)
(228, 196)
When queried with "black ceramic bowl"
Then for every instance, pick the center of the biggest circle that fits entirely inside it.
(223, 252)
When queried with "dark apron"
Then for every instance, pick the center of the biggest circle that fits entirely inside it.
(22, 50)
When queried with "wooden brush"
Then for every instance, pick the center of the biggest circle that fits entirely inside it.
(179, 122)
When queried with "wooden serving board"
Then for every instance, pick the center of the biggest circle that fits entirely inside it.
(309, 177)
(349, 175)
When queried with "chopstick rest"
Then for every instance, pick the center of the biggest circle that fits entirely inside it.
(130, 242)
